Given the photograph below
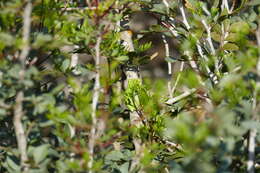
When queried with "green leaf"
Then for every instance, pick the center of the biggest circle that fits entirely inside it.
(216, 36)
(216, 3)
(224, 12)
(145, 46)
(250, 124)
(122, 58)
(114, 156)
(40, 153)
(124, 167)
(65, 65)
(159, 8)
(41, 40)
(6, 40)
(230, 46)
(254, 2)
(2, 112)
(232, 37)
(11, 164)
(240, 27)
(228, 80)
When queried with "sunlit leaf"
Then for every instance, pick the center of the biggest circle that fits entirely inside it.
(230, 46)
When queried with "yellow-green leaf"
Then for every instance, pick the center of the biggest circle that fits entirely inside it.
(240, 27)
(230, 46)
(232, 37)
(216, 36)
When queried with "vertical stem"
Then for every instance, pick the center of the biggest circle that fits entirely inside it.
(184, 17)
(18, 108)
(26, 32)
(167, 52)
(178, 78)
(19, 130)
(209, 37)
(251, 151)
(193, 64)
(253, 132)
(212, 76)
(132, 73)
(225, 5)
(187, 53)
(92, 136)
(212, 49)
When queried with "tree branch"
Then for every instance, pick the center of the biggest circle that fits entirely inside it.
(18, 108)
(180, 97)
(193, 64)
(19, 131)
(92, 136)
(26, 32)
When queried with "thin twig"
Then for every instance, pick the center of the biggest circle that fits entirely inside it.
(180, 97)
(225, 5)
(212, 76)
(193, 64)
(171, 28)
(233, 5)
(224, 35)
(78, 8)
(185, 21)
(178, 78)
(204, 8)
(209, 39)
(172, 144)
(191, 61)
(92, 136)
(167, 5)
(167, 53)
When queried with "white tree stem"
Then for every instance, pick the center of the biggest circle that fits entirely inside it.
(18, 108)
(92, 136)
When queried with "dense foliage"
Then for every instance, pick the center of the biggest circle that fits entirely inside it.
(60, 117)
